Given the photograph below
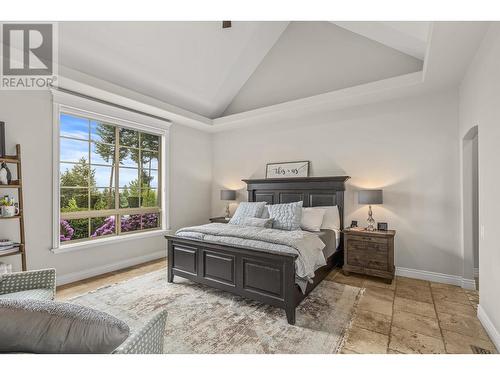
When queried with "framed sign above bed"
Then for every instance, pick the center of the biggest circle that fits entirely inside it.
(287, 169)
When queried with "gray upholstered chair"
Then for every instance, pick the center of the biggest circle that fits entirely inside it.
(40, 284)
(147, 340)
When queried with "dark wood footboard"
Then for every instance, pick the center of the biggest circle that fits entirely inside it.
(264, 276)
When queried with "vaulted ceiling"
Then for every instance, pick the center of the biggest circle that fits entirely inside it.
(213, 72)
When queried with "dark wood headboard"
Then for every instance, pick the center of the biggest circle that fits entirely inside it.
(313, 191)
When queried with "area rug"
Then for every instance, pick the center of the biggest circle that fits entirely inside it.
(205, 320)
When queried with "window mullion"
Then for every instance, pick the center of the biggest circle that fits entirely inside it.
(139, 178)
(89, 200)
(117, 180)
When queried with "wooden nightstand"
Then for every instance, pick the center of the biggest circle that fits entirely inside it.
(220, 219)
(369, 253)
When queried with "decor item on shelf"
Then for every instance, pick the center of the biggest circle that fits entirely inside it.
(354, 224)
(287, 169)
(2, 139)
(370, 197)
(8, 207)
(6, 245)
(5, 175)
(382, 226)
(228, 195)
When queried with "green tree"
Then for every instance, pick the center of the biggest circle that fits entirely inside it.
(106, 151)
(149, 145)
(79, 175)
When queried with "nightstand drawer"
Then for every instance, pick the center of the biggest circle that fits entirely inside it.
(362, 258)
(368, 247)
(379, 240)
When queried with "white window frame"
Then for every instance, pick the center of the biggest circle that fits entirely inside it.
(64, 102)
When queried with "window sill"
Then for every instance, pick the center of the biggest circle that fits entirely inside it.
(107, 241)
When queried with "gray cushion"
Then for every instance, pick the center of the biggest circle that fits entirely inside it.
(286, 216)
(43, 294)
(34, 326)
(247, 209)
(257, 222)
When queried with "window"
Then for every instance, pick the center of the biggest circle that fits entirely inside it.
(109, 179)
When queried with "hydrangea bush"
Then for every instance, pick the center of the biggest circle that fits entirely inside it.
(129, 223)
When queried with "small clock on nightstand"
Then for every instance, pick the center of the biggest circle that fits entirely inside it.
(220, 219)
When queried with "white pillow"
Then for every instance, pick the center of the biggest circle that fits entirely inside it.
(312, 218)
(331, 220)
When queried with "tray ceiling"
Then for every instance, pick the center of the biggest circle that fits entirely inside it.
(210, 71)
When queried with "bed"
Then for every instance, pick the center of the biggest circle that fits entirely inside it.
(263, 275)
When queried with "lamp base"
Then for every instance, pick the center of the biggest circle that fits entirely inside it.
(228, 213)
(370, 220)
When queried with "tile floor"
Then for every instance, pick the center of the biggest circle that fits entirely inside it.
(413, 316)
(407, 316)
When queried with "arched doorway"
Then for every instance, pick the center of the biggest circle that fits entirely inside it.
(470, 194)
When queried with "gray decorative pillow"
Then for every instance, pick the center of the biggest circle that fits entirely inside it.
(35, 326)
(257, 222)
(247, 209)
(286, 216)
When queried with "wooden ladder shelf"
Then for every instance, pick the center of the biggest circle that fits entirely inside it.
(16, 184)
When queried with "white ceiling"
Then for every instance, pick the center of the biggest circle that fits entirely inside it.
(409, 37)
(193, 71)
(312, 58)
(197, 66)
(200, 67)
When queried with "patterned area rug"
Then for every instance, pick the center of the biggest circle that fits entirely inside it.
(205, 320)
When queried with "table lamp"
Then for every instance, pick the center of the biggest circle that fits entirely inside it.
(370, 197)
(228, 195)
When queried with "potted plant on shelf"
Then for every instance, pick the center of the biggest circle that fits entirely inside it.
(8, 207)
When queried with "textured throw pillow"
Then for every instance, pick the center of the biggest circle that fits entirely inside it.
(312, 218)
(247, 209)
(257, 222)
(286, 216)
(36, 326)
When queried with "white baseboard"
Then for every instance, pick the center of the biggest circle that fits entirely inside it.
(84, 274)
(488, 326)
(436, 277)
(468, 284)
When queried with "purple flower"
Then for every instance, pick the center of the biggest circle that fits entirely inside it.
(66, 231)
(108, 227)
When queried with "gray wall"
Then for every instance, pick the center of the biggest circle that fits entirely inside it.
(28, 118)
(479, 98)
(407, 147)
(312, 58)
